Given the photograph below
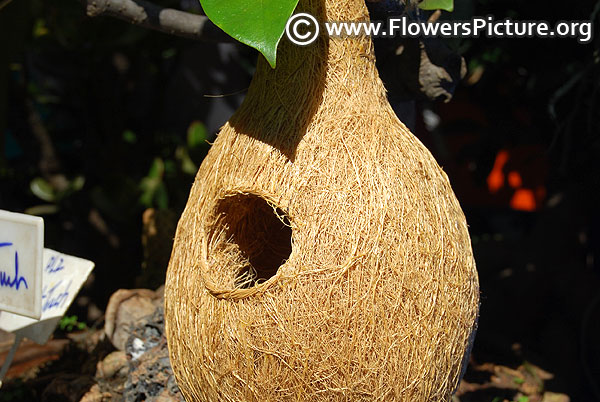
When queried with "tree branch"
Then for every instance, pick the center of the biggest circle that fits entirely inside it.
(167, 20)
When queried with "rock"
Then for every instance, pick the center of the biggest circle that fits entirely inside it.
(151, 374)
(95, 395)
(553, 397)
(140, 370)
(113, 364)
(125, 308)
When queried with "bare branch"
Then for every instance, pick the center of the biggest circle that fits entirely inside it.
(4, 3)
(149, 15)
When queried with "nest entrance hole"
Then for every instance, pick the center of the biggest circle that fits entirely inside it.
(259, 233)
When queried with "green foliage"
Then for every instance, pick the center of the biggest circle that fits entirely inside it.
(39, 28)
(48, 192)
(447, 5)
(257, 23)
(129, 137)
(518, 380)
(197, 138)
(70, 322)
(42, 189)
(154, 191)
(153, 187)
(196, 135)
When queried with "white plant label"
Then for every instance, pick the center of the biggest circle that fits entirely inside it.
(63, 276)
(21, 249)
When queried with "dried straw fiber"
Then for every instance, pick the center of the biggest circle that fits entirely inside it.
(366, 289)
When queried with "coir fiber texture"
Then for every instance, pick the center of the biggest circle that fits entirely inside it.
(322, 254)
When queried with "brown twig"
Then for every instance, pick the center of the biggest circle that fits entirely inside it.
(4, 3)
(149, 15)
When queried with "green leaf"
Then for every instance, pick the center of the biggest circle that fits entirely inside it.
(447, 5)
(39, 28)
(40, 210)
(42, 189)
(129, 137)
(257, 23)
(77, 183)
(161, 197)
(187, 165)
(157, 169)
(69, 323)
(196, 135)
(170, 168)
(154, 190)
(149, 186)
(168, 53)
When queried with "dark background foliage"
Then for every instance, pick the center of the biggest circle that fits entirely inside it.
(100, 120)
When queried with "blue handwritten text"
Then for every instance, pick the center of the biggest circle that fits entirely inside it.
(51, 297)
(55, 264)
(15, 281)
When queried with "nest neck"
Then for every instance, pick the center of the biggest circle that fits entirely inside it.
(331, 76)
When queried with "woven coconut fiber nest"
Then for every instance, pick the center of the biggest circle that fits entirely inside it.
(322, 254)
